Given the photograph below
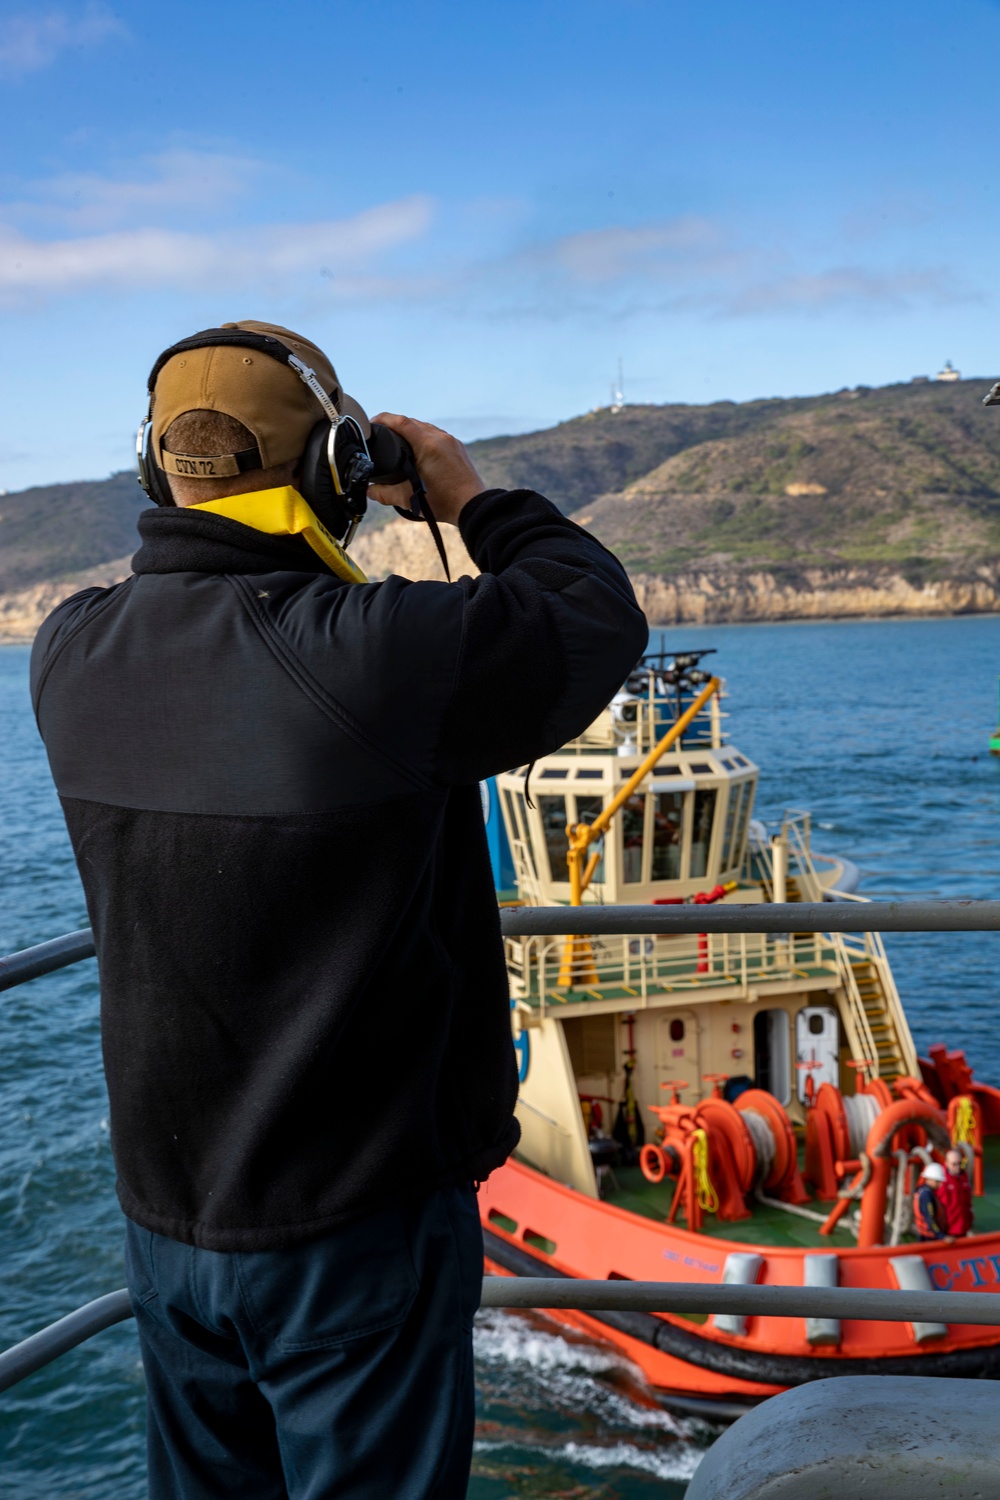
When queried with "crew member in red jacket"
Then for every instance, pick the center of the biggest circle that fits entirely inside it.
(927, 1217)
(955, 1195)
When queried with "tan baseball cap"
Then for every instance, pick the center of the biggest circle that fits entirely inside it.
(262, 392)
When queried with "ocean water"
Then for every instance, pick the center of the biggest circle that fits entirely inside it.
(879, 727)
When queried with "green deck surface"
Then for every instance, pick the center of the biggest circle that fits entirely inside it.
(772, 1226)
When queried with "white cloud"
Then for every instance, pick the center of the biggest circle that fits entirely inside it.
(696, 265)
(33, 39)
(605, 255)
(146, 229)
(170, 183)
(839, 286)
(344, 252)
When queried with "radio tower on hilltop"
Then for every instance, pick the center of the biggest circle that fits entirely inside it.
(617, 394)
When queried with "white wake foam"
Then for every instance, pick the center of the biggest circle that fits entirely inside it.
(677, 1462)
(511, 1339)
(575, 1403)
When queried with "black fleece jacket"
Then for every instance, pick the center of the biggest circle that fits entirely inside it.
(270, 781)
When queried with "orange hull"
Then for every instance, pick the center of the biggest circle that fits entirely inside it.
(596, 1241)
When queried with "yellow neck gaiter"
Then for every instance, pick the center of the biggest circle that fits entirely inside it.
(283, 512)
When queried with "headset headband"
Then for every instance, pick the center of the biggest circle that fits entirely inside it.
(242, 338)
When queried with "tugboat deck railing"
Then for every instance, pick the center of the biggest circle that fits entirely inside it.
(716, 952)
(653, 715)
(634, 972)
(758, 861)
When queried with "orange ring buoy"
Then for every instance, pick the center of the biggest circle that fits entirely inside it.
(906, 1112)
(653, 1161)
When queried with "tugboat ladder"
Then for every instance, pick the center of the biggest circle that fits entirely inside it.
(874, 1002)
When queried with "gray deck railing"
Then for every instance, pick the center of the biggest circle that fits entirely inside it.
(798, 916)
(541, 921)
(863, 1303)
(866, 1304)
(32, 963)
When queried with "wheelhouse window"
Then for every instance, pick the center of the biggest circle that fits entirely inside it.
(633, 830)
(701, 834)
(522, 811)
(587, 809)
(554, 820)
(728, 857)
(512, 823)
(744, 818)
(668, 822)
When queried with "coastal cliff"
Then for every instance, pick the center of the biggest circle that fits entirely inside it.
(23, 610)
(696, 598)
(832, 594)
(720, 596)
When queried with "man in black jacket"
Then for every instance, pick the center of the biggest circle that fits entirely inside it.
(269, 774)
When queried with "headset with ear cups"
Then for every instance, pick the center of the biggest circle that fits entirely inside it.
(338, 463)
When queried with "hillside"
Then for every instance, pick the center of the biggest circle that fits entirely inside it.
(55, 529)
(906, 476)
(861, 502)
(604, 451)
(858, 502)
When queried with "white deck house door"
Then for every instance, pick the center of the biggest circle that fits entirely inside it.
(817, 1041)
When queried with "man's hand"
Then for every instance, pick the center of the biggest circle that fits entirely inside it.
(449, 475)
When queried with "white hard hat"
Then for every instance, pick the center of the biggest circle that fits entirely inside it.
(933, 1172)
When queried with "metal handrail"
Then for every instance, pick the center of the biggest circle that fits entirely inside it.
(45, 958)
(41, 1348)
(864, 1304)
(524, 921)
(761, 917)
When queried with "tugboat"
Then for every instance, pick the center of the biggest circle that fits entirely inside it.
(718, 1108)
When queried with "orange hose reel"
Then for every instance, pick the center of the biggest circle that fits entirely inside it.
(828, 1140)
(733, 1164)
(784, 1180)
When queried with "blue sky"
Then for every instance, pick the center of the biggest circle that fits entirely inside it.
(477, 209)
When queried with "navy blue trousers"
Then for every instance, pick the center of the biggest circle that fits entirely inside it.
(338, 1368)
